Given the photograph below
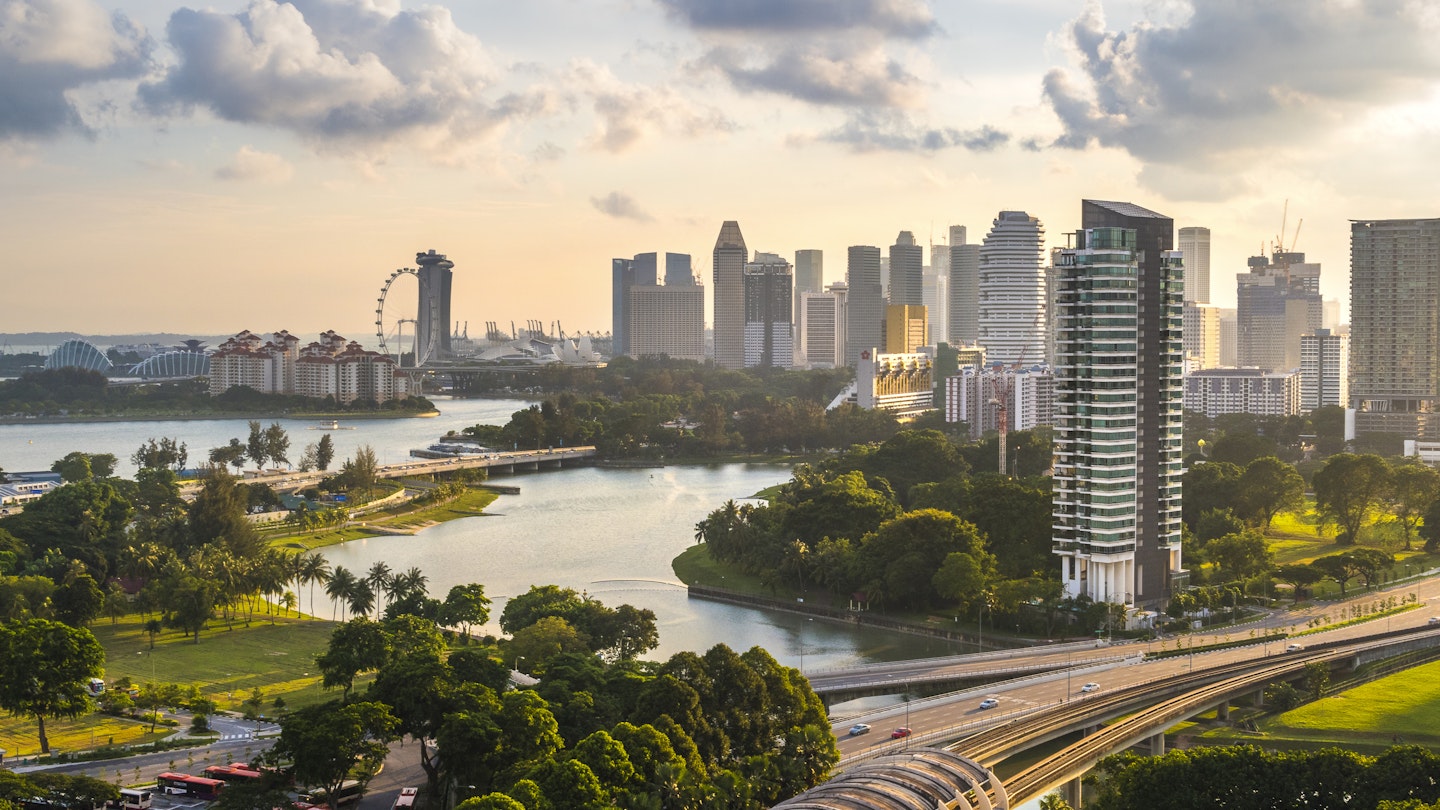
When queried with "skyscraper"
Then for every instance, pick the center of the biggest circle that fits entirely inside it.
(822, 326)
(678, 271)
(1195, 248)
(964, 326)
(1324, 370)
(866, 308)
(1012, 290)
(769, 333)
(1118, 391)
(1276, 302)
(667, 320)
(907, 329)
(1395, 326)
(809, 277)
(728, 321)
(624, 274)
(432, 324)
(1202, 335)
(907, 273)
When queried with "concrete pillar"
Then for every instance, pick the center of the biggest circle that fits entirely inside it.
(1222, 712)
(1157, 745)
(1259, 697)
(1071, 793)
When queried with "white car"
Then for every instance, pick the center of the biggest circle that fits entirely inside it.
(989, 703)
(1295, 648)
(1434, 620)
(859, 728)
(1090, 687)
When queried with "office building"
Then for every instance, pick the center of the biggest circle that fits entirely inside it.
(937, 292)
(769, 333)
(822, 327)
(624, 274)
(1395, 326)
(728, 321)
(679, 271)
(1195, 252)
(866, 306)
(667, 320)
(964, 321)
(432, 323)
(1202, 335)
(1219, 391)
(1276, 302)
(900, 383)
(1118, 408)
(907, 329)
(1324, 370)
(1012, 290)
(809, 275)
(907, 274)
(1229, 338)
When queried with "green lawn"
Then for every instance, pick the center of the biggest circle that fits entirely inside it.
(1405, 704)
(695, 566)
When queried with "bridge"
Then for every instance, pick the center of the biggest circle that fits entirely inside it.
(1138, 712)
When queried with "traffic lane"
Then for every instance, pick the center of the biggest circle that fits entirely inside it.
(402, 769)
(149, 766)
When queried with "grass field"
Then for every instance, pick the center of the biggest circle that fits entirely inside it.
(227, 664)
(470, 504)
(1406, 704)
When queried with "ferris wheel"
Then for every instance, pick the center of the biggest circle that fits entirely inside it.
(422, 353)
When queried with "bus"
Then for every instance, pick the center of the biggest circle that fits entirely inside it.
(186, 785)
(349, 793)
(132, 799)
(233, 773)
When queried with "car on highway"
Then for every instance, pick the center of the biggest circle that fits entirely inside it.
(900, 733)
(1294, 647)
(1434, 620)
(1090, 687)
(989, 703)
(858, 729)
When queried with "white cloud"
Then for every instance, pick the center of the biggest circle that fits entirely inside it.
(49, 48)
(628, 114)
(621, 206)
(251, 165)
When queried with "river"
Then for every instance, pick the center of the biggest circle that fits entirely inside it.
(610, 533)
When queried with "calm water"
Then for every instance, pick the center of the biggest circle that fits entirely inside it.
(611, 533)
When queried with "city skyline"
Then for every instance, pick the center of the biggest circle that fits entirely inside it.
(348, 134)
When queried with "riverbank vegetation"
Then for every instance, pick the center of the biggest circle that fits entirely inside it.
(76, 393)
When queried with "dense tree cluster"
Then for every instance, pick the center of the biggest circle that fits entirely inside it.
(1249, 777)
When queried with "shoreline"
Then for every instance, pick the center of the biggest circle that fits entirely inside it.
(218, 416)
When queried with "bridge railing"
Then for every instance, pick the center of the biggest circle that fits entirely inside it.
(963, 658)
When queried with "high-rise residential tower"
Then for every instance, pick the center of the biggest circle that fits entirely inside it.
(907, 271)
(769, 334)
(1195, 247)
(1202, 334)
(964, 326)
(866, 307)
(1118, 389)
(1324, 370)
(728, 321)
(1395, 327)
(667, 320)
(1012, 290)
(432, 324)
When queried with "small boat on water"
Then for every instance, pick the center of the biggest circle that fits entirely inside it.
(333, 424)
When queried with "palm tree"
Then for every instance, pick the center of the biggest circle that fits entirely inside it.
(362, 598)
(316, 569)
(379, 581)
(340, 587)
(411, 582)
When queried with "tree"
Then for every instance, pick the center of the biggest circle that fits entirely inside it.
(1209, 486)
(164, 454)
(363, 469)
(45, 667)
(1317, 679)
(1348, 489)
(961, 578)
(79, 466)
(1335, 567)
(232, 454)
(357, 646)
(1240, 556)
(1369, 562)
(326, 742)
(340, 586)
(464, 606)
(218, 516)
(546, 638)
(255, 446)
(1270, 486)
(1416, 489)
(78, 600)
(277, 444)
(324, 453)
(1299, 576)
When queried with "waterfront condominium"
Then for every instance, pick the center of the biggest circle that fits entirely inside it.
(1011, 316)
(1118, 401)
(1395, 327)
(1195, 248)
(865, 318)
(728, 321)
(769, 334)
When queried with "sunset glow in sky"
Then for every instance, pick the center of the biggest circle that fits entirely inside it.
(266, 164)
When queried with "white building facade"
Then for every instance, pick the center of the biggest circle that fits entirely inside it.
(1011, 310)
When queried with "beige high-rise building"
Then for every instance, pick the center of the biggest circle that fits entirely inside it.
(963, 326)
(1202, 336)
(907, 328)
(667, 320)
(728, 321)
(1277, 302)
(1195, 249)
(1324, 370)
(1229, 337)
(822, 327)
(865, 307)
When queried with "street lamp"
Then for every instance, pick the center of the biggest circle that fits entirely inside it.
(518, 659)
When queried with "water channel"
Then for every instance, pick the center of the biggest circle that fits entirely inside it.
(611, 533)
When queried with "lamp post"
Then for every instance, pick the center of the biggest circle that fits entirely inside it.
(518, 659)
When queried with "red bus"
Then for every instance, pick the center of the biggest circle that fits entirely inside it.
(233, 773)
(185, 784)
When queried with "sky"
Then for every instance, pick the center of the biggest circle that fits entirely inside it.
(266, 165)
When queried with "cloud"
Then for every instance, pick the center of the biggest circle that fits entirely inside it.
(1237, 79)
(868, 131)
(628, 114)
(250, 164)
(621, 206)
(347, 75)
(909, 19)
(49, 48)
(824, 52)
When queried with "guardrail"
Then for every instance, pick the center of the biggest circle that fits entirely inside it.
(929, 677)
(964, 658)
